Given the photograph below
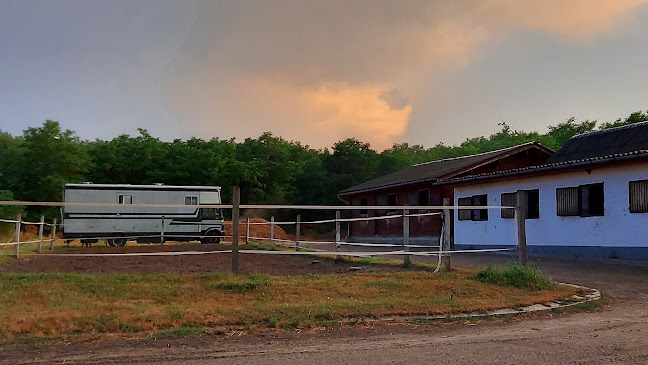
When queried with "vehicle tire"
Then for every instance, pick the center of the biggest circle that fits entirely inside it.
(211, 237)
(118, 241)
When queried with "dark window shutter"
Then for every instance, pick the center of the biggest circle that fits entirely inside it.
(639, 196)
(508, 200)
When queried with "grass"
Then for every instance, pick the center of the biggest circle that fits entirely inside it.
(524, 277)
(54, 305)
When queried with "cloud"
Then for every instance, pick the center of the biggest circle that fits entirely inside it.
(322, 71)
(394, 98)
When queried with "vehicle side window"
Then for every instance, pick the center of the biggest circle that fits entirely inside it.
(191, 200)
(125, 199)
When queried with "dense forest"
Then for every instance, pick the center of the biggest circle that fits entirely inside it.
(269, 169)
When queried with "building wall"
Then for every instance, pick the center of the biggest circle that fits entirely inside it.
(425, 229)
(618, 230)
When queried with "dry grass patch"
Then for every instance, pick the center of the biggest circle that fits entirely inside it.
(49, 305)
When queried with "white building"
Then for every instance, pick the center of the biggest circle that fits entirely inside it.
(590, 200)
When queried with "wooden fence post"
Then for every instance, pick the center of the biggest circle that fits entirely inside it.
(272, 231)
(236, 202)
(162, 232)
(337, 234)
(297, 232)
(406, 236)
(53, 235)
(247, 230)
(520, 210)
(447, 217)
(40, 233)
(17, 235)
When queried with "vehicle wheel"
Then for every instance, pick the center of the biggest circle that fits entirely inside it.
(117, 241)
(211, 237)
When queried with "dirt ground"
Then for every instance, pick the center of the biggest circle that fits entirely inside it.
(184, 264)
(617, 334)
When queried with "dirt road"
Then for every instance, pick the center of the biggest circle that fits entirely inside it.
(618, 335)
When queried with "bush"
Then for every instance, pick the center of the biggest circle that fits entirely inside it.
(523, 277)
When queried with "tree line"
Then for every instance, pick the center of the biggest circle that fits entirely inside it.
(269, 169)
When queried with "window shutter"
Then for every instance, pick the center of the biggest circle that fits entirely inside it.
(465, 214)
(639, 196)
(508, 200)
(567, 201)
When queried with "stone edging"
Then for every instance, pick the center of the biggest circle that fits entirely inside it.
(589, 295)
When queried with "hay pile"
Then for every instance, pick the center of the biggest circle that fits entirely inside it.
(257, 230)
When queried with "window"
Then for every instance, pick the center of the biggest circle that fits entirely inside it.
(473, 214)
(381, 200)
(210, 213)
(639, 196)
(584, 200)
(423, 197)
(191, 200)
(592, 200)
(465, 214)
(532, 204)
(531, 200)
(480, 214)
(125, 199)
(363, 202)
(391, 200)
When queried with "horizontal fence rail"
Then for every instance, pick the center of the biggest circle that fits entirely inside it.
(394, 212)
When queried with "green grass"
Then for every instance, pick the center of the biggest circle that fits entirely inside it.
(244, 284)
(183, 331)
(524, 277)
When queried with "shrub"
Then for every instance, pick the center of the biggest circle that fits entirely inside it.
(523, 277)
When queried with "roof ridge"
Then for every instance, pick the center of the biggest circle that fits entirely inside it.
(477, 154)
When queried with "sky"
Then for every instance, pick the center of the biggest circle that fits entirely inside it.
(385, 72)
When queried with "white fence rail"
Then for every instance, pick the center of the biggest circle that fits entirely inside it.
(442, 250)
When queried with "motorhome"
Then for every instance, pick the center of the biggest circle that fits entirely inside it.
(118, 213)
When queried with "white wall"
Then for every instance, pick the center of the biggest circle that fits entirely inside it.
(618, 227)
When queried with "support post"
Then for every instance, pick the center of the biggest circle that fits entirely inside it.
(272, 231)
(40, 233)
(337, 234)
(53, 235)
(247, 230)
(520, 209)
(236, 202)
(162, 232)
(17, 235)
(445, 245)
(297, 232)
(406, 234)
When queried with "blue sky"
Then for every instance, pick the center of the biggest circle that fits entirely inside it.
(382, 71)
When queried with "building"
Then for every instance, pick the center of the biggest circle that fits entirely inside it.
(415, 185)
(589, 200)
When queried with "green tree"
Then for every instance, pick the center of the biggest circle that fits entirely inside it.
(633, 118)
(51, 158)
(562, 132)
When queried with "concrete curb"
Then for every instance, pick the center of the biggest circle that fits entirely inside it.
(589, 295)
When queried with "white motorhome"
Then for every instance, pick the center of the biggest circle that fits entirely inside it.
(118, 215)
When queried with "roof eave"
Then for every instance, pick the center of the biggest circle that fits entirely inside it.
(542, 168)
